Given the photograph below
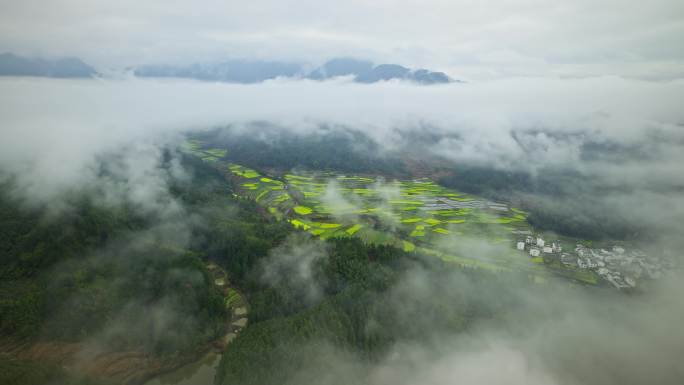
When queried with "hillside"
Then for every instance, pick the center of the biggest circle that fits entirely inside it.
(103, 280)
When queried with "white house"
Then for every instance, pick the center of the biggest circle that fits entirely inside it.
(540, 242)
(581, 263)
(568, 260)
(534, 252)
(630, 281)
(548, 249)
(586, 263)
(521, 245)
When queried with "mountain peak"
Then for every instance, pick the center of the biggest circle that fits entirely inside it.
(67, 67)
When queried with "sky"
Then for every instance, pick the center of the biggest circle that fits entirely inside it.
(468, 39)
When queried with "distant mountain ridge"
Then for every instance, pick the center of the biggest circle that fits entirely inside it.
(69, 67)
(238, 71)
(254, 71)
(233, 71)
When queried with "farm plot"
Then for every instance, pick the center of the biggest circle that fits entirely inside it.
(415, 215)
(197, 148)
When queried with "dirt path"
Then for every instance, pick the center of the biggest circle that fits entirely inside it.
(203, 370)
(235, 302)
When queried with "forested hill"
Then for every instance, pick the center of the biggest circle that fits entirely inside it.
(365, 305)
(338, 149)
(107, 275)
(558, 200)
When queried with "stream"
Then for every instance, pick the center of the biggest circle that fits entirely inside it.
(202, 371)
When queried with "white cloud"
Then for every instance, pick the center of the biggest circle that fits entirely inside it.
(52, 129)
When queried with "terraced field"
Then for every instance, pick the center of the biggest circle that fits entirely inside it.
(416, 215)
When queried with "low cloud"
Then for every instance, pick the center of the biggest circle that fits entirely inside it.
(295, 268)
(343, 207)
(551, 334)
(613, 133)
(523, 122)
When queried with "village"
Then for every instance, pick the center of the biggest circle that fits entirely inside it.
(621, 268)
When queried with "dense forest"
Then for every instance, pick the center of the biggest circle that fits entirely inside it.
(104, 274)
(67, 276)
(334, 148)
(366, 308)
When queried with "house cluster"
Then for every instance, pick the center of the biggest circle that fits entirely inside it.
(536, 246)
(624, 269)
(617, 266)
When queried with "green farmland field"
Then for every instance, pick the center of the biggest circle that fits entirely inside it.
(415, 215)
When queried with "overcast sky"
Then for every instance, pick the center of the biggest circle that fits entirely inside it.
(470, 39)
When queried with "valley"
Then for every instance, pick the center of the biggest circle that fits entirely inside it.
(416, 215)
